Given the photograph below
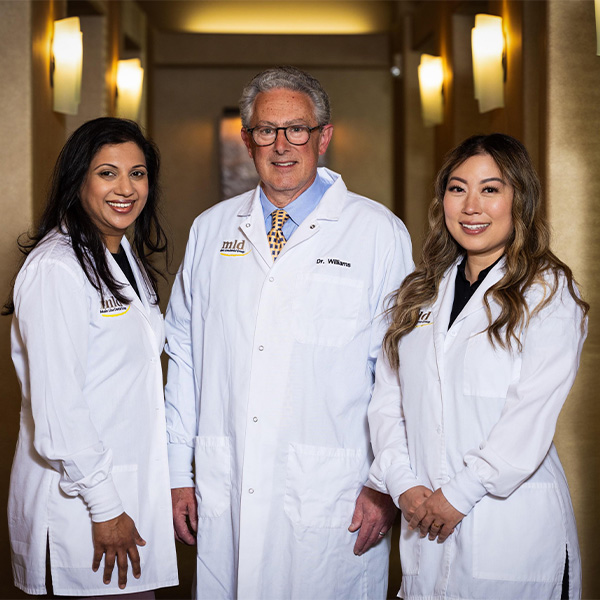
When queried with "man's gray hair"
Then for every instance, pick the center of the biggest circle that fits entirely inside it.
(289, 78)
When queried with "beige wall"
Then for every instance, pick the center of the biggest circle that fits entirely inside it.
(572, 166)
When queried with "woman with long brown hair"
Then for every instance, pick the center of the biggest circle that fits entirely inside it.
(483, 348)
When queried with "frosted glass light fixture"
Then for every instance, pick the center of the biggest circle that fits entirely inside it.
(597, 3)
(431, 80)
(67, 61)
(130, 79)
(487, 43)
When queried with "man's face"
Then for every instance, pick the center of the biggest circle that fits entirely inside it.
(284, 169)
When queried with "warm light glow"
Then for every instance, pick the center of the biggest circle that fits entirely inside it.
(130, 79)
(431, 80)
(324, 17)
(67, 50)
(597, 3)
(487, 42)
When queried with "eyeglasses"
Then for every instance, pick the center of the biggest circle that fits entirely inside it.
(265, 135)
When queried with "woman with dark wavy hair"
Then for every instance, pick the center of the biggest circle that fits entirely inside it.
(89, 485)
(482, 350)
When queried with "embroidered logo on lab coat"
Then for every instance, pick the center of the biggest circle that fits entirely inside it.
(235, 248)
(112, 308)
(424, 318)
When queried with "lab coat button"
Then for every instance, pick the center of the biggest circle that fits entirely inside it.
(313, 226)
(251, 491)
(271, 278)
(439, 429)
(261, 348)
(248, 224)
(255, 419)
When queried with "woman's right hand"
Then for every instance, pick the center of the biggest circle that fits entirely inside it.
(411, 499)
(118, 538)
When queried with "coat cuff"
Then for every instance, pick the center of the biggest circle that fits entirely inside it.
(180, 465)
(397, 481)
(464, 491)
(103, 500)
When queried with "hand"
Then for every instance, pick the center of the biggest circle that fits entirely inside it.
(374, 514)
(412, 499)
(436, 517)
(185, 514)
(117, 538)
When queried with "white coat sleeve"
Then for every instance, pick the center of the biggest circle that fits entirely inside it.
(180, 392)
(390, 274)
(391, 472)
(51, 326)
(519, 441)
(383, 412)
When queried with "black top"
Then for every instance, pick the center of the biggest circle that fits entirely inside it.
(463, 290)
(122, 261)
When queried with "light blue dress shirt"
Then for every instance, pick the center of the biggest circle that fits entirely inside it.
(298, 209)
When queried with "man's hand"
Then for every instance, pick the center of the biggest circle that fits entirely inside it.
(436, 517)
(412, 499)
(185, 514)
(117, 538)
(374, 514)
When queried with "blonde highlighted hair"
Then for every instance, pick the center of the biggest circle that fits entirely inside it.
(529, 260)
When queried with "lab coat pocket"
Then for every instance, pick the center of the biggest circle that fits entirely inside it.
(326, 309)
(322, 485)
(487, 370)
(213, 475)
(520, 538)
(70, 524)
(410, 549)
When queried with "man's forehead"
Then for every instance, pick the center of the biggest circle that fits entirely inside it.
(285, 101)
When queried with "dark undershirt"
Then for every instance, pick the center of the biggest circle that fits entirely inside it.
(463, 290)
(123, 263)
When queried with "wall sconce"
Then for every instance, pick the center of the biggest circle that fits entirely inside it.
(130, 79)
(487, 42)
(65, 69)
(597, 3)
(431, 80)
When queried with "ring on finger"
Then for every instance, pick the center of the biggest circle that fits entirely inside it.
(382, 533)
(435, 526)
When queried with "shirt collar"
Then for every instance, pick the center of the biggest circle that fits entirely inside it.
(302, 206)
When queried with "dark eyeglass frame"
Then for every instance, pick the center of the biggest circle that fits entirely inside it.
(284, 129)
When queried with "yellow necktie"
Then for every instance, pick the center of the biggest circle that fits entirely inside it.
(275, 236)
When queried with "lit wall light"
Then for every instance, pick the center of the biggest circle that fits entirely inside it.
(431, 80)
(487, 42)
(597, 2)
(130, 78)
(67, 60)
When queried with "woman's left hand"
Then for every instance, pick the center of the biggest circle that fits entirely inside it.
(436, 517)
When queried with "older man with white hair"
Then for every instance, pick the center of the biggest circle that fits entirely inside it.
(274, 325)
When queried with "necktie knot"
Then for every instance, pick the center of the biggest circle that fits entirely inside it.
(275, 236)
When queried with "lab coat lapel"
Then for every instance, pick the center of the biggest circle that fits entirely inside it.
(475, 303)
(252, 226)
(441, 315)
(136, 303)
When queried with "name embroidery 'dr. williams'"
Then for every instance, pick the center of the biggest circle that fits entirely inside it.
(424, 318)
(234, 248)
(112, 308)
(333, 261)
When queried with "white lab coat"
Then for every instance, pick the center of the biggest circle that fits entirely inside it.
(92, 441)
(271, 373)
(478, 422)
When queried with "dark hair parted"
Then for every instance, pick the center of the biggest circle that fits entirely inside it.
(64, 210)
(529, 260)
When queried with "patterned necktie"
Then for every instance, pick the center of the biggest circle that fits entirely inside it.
(275, 236)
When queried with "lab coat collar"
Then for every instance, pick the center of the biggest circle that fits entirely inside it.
(329, 208)
(140, 303)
